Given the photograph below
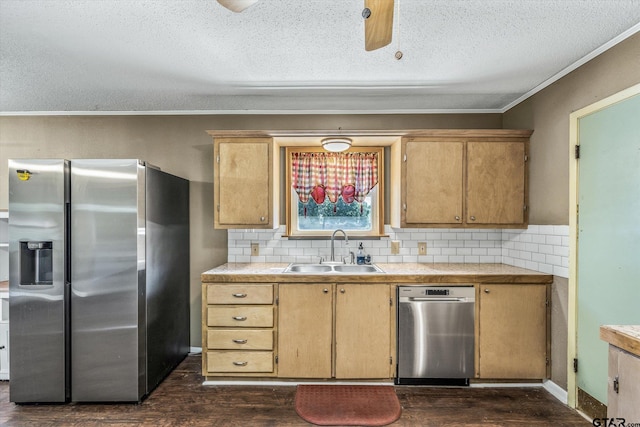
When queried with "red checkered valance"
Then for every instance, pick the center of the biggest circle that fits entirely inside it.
(348, 175)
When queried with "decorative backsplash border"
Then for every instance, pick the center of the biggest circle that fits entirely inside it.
(543, 248)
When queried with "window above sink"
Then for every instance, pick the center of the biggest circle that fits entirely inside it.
(327, 191)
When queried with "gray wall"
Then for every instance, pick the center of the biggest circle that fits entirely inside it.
(547, 112)
(180, 145)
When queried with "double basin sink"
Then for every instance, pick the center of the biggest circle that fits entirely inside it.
(330, 268)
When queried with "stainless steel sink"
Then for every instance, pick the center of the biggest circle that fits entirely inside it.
(351, 268)
(332, 269)
(308, 268)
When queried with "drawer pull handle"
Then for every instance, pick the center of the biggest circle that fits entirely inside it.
(240, 363)
(240, 295)
(240, 318)
(240, 341)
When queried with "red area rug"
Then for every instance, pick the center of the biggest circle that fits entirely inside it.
(347, 405)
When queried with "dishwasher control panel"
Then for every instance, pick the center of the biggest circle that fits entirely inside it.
(436, 291)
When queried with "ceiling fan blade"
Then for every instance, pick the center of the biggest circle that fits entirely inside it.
(237, 5)
(378, 28)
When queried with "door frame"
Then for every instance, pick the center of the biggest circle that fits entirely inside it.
(574, 169)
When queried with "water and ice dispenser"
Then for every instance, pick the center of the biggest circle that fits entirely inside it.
(36, 263)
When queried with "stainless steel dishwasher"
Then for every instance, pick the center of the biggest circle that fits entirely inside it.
(435, 335)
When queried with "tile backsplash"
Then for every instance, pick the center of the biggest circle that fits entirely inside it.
(543, 248)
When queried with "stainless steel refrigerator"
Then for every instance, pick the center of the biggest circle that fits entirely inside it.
(98, 279)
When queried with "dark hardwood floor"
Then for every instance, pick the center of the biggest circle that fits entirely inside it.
(182, 400)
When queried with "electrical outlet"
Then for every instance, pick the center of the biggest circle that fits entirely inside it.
(422, 248)
(255, 249)
(395, 247)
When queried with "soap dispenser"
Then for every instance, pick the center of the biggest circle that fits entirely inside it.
(360, 257)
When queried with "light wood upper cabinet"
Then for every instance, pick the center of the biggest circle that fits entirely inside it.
(513, 330)
(243, 183)
(496, 183)
(433, 182)
(448, 178)
(361, 347)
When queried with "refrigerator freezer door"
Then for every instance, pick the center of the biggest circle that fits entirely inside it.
(38, 195)
(108, 273)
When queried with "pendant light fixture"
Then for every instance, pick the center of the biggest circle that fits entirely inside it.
(336, 144)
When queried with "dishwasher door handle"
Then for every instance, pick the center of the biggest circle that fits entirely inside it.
(463, 299)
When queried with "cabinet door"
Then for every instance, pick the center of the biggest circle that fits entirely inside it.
(433, 173)
(625, 368)
(513, 331)
(495, 183)
(243, 183)
(305, 314)
(4, 351)
(363, 331)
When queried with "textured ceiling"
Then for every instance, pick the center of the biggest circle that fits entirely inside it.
(292, 55)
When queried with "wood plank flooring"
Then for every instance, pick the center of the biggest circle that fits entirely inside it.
(182, 400)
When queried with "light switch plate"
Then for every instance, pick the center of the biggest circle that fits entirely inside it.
(395, 247)
(422, 248)
(255, 249)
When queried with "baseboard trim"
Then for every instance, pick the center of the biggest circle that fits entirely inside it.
(556, 391)
(195, 350)
(291, 383)
(504, 385)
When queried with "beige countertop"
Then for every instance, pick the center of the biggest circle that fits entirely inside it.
(626, 337)
(394, 273)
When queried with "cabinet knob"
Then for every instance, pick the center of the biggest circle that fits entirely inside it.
(325, 290)
(342, 291)
(240, 318)
(262, 219)
(473, 218)
(457, 218)
(486, 291)
(240, 363)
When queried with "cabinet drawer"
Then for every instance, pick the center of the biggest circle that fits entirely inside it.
(242, 317)
(240, 339)
(240, 361)
(239, 294)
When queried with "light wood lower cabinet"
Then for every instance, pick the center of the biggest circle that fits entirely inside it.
(238, 329)
(623, 389)
(335, 331)
(305, 329)
(512, 331)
